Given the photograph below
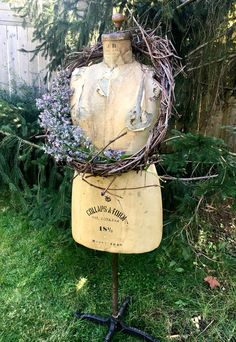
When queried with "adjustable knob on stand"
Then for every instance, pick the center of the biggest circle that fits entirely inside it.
(118, 19)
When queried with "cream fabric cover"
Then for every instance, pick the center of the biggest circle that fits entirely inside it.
(106, 102)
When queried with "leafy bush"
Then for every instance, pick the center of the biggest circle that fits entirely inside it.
(35, 183)
(201, 172)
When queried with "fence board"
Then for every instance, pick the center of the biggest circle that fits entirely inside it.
(3, 58)
(15, 65)
(37, 67)
(9, 17)
(23, 57)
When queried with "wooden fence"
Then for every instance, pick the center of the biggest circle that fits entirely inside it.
(15, 65)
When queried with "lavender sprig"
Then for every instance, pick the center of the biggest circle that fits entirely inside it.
(66, 142)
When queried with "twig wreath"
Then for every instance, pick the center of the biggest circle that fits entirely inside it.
(67, 143)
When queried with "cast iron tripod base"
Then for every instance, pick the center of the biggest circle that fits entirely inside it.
(115, 324)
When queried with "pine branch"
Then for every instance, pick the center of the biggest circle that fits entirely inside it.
(21, 140)
(212, 62)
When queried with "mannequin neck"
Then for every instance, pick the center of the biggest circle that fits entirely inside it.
(117, 52)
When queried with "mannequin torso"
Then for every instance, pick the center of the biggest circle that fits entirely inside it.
(115, 96)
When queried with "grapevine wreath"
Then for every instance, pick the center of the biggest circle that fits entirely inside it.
(68, 144)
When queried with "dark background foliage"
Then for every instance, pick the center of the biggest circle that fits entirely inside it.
(201, 31)
(35, 184)
(203, 35)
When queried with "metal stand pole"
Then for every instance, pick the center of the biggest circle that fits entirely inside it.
(114, 322)
(115, 284)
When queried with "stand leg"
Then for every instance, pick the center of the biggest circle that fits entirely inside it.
(114, 322)
(92, 317)
(123, 307)
(111, 331)
(136, 332)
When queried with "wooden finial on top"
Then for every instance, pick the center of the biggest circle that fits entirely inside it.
(118, 19)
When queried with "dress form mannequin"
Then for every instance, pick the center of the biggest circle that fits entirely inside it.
(115, 96)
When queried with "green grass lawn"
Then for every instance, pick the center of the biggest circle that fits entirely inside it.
(45, 277)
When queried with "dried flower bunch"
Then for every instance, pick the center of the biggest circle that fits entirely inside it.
(68, 143)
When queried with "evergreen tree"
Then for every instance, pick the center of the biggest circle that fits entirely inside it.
(202, 32)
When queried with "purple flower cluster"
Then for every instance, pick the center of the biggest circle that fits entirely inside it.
(66, 142)
(114, 154)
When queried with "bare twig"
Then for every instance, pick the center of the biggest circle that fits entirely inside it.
(192, 218)
(212, 62)
(189, 179)
(172, 138)
(99, 187)
(205, 256)
(117, 189)
(187, 2)
(206, 327)
(204, 44)
(173, 337)
(105, 190)
(108, 144)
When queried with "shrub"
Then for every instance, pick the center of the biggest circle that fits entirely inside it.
(34, 182)
(201, 172)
